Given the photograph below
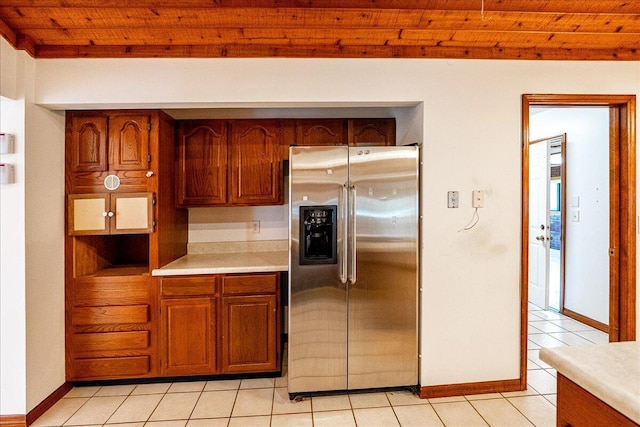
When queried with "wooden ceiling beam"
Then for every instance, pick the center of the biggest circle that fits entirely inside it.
(7, 33)
(171, 18)
(323, 51)
(354, 37)
(563, 6)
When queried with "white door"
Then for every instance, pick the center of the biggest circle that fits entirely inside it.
(538, 224)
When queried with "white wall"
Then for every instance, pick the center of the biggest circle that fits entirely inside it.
(12, 242)
(587, 239)
(32, 245)
(470, 280)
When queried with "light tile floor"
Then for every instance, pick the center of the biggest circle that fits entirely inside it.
(265, 402)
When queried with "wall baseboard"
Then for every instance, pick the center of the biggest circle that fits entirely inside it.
(47, 403)
(586, 320)
(433, 391)
(35, 413)
(13, 421)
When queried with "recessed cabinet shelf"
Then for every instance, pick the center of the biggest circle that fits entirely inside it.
(114, 255)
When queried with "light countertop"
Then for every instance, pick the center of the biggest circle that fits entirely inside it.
(611, 372)
(236, 257)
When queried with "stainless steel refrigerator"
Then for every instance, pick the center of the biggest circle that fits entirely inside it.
(353, 268)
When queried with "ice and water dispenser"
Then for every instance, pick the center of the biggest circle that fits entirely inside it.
(318, 234)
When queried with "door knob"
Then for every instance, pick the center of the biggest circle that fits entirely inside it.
(540, 238)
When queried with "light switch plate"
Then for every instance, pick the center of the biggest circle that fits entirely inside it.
(478, 199)
(453, 199)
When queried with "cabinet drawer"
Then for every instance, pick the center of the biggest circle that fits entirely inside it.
(110, 315)
(111, 291)
(188, 286)
(110, 341)
(110, 367)
(250, 284)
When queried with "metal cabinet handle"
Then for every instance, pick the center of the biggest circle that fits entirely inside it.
(342, 236)
(352, 234)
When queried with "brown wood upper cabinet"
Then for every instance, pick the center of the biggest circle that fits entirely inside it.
(321, 132)
(202, 162)
(234, 162)
(109, 141)
(255, 162)
(364, 132)
(372, 132)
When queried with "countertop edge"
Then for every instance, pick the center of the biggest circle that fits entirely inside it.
(218, 270)
(225, 263)
(582, 373)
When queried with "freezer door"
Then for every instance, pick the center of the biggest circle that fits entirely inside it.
(383, 289)
(317, 295)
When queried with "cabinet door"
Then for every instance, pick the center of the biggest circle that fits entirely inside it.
(88, 214)
(189, 336)
(321, 132)
(110, 213)
(202, 163)
(372, 132)
(132, 213)
(249, 334)
(88, 144)
(256, 163)
(129, 142)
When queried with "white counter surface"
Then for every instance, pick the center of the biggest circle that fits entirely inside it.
(220, 263)
(611, 372)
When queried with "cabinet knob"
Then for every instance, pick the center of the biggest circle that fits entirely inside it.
(104, 214)
(149, 174)
(109, 214)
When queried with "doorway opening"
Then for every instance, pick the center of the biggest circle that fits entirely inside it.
(618, 191)
(547, 166)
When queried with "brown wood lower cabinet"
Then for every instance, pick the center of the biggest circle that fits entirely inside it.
(109, 328)
(250, 335)
(214, 324)
(189, 336)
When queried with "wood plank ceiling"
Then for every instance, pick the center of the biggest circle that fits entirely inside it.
(489, 29)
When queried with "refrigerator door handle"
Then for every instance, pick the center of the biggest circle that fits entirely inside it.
(352, 235)
(342, 234)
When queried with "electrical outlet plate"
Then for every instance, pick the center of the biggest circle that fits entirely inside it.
(478, 199)
(453, 199)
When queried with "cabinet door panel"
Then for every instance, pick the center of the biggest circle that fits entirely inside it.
(202, 168)
(88, 144)
(133, 213)
(256, 163)
(249, 342)
(189, 336)
(87, 214)
(321, 132)
(129, 142)
(373, 132)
